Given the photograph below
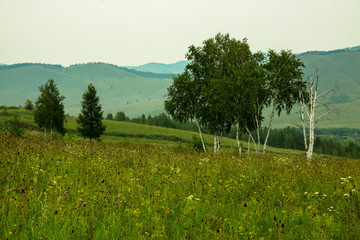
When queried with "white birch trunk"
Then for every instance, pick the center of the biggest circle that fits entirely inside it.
(215, 143)
(252, 138)
(313, 99)
(302, 117)
(219, 143)
(201, 136)
(44, 133)
(249, 145)
(270, 124)
(257, 148)
(311, 122)
(258, 138)
(238, 137)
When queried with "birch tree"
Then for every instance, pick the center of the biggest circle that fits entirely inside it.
(284, 79)
(252, 97)
(182, 101)
(217, 68)
(314, 109)
(219, 88)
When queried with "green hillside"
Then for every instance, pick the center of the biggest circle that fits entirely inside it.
(340, 69)
(118, 88)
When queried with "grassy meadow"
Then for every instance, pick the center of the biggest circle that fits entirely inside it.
(140, 188)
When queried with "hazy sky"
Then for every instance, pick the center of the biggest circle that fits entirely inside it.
(135, 32)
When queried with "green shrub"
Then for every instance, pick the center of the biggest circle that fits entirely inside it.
(196, 144)
(15, 127)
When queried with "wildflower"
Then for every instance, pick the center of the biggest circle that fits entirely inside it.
(190, 197)
(116, 202)
(85, 204)
(75, 207)
(66, 192)
(119, 196)
(9, 190)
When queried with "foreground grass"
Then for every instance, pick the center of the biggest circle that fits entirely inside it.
(77, 190)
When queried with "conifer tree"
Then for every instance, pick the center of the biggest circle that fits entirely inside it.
(49, 110)
(89, 122)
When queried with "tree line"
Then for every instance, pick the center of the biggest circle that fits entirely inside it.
(161, 120)
(288, 138)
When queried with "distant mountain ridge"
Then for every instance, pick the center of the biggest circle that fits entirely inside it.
(173, 68)
(349, 49)
(60, 67)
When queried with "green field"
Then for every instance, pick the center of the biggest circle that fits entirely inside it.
(128, 132)
(144, 182)
(74, 189)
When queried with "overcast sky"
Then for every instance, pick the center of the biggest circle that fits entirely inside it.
(135, 32)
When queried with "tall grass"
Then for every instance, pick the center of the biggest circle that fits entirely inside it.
(73, 189)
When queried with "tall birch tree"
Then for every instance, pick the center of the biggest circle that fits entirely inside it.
(182, 101)
(284, 79)
(314, 109)
(216, 68)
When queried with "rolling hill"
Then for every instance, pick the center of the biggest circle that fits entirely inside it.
(120, 89)
(339, 69)
(143, 92)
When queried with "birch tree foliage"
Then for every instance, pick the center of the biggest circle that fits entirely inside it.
(49, 110)
(182, 101)
(284, 79)
(249, 96)
(216, 68)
